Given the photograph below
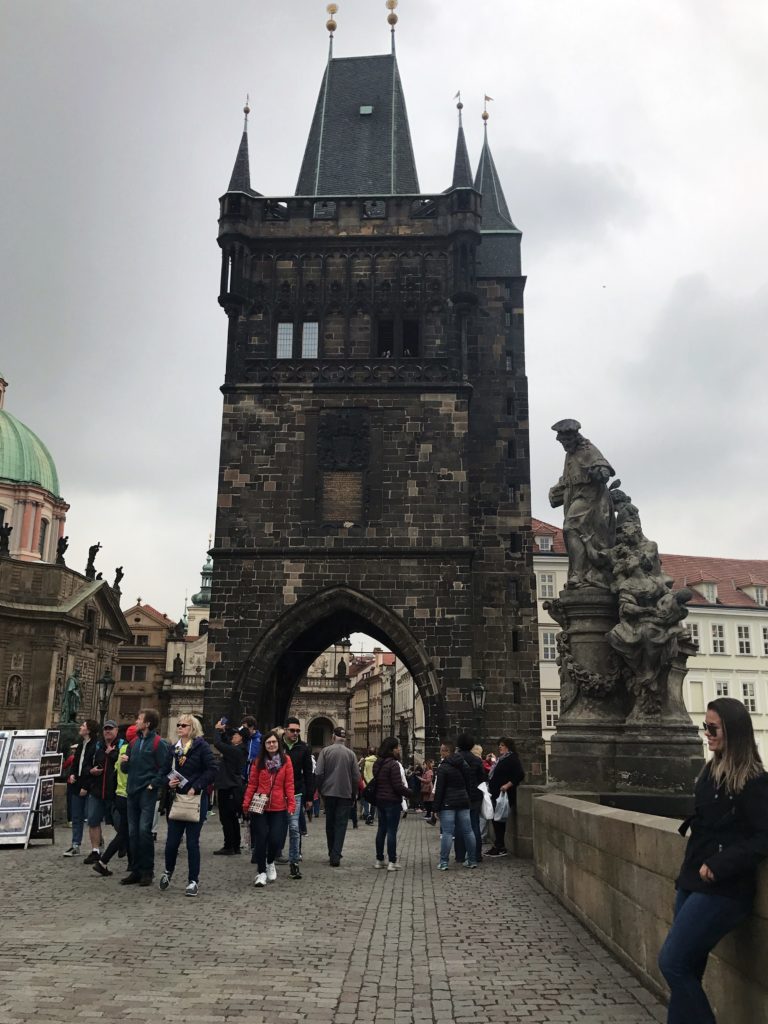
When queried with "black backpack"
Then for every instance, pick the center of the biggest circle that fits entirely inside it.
(369, 793)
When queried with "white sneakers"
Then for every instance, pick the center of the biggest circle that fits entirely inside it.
(390, 867)
(261, 880)
(271, 872)
(393, 867)
(379, 864)
(191, 889)
(73, 851)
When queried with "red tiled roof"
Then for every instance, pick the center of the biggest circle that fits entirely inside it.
(541, 529)
(152, 611)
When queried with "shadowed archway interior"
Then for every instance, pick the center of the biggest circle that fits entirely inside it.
(270, 676)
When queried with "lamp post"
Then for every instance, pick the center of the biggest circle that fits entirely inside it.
(105, 687)
(478, 694)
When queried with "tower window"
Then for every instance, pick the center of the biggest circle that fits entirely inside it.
(43, 537)
(309, 336)
(385, 338)
(410, 337)
(366, 110)
(285, 341)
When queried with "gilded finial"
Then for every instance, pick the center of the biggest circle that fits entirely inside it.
(391, 17)
(246, 111)
(331, 23)
(486, 101)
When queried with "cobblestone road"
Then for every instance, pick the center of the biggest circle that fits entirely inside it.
(340, 946)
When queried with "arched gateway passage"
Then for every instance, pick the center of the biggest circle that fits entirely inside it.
(268, 679)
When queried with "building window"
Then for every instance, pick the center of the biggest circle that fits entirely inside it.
(718, 639)
(309, 340)
(696, 690)
(710, 592)
(551, 712)
(748, 693)
(285, 341)
(43, 537)
(721, 688)
(548, 645)
(544, 543)
(765, 639)
(385, 338)
(693, 629)
(142, 639)
(411, 338)
(760, 596)
(546, 584)
(745, 640)
(133, 673)
(89, 637)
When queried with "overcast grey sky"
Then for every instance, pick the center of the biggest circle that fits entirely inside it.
(632, 140)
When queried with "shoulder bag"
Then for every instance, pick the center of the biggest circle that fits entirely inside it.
(185, 807)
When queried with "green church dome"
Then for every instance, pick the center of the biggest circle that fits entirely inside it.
(23, 456)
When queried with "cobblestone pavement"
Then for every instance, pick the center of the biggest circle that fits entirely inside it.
(340, 946)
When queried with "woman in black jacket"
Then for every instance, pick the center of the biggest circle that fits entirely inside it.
(729, 838)
(504, 777)
(452, 801)
(80, 781)
(390, 790)
(194, 763)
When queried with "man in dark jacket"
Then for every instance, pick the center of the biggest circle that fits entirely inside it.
(101, 788)
(452, 804)
(149, 761)
(229, 786)
(464, 744)
(303, 787)
(505, 776)
(79, 780)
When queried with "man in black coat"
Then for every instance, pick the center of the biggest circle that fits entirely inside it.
(303, 786)
(464, 744)
(230, 786)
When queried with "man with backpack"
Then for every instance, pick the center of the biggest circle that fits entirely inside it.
(148, 761)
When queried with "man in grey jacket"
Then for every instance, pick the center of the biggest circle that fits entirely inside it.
(338, 780)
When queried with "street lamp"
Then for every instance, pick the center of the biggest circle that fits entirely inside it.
(478, 693)
(105, 687)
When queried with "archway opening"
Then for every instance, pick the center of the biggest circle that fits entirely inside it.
(319, 734)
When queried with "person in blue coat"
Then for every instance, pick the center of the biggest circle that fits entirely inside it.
(194, 763)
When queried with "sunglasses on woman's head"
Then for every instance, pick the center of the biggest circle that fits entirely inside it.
(710, 728)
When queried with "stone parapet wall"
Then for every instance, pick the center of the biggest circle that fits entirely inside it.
(615, 871)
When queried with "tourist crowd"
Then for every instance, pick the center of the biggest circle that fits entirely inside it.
(266, 788)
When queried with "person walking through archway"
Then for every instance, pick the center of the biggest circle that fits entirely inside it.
(338, 780)
(390, 790)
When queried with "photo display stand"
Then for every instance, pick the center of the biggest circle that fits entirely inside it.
(21, 751)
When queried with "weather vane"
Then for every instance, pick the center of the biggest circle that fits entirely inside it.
(486, 101)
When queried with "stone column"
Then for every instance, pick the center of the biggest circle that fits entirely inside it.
(25, 542)
(593, 700)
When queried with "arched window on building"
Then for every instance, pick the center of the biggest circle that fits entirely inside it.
(13, 692)
(43, 537)
(203, 628)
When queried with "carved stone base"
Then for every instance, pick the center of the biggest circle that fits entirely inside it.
(658, 758)
(583, 758)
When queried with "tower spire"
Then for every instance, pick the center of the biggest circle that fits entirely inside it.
(496, 216)
(241, 172)
(462, 169)
(392, 19)
(331, 25)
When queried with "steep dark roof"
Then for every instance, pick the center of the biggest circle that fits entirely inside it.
(241, 172)
(462, 169)
(499, 252)
(354, 153)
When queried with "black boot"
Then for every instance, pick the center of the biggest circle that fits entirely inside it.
(295, 873)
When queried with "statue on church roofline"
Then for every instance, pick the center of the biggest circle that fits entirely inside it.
(5, 539)
(70, 702)
(90, 569)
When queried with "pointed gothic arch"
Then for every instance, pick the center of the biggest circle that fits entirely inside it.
(270, 674)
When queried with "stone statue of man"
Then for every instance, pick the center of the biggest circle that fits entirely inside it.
(589, 521)
(70, 702)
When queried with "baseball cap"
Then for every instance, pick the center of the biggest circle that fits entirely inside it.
(110, 724)
(339, 731)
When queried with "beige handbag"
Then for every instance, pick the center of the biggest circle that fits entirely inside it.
(185, 807)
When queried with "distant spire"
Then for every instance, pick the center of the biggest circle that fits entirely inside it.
(241, 172)
(496, 215)
(462, 169)
(392, 19)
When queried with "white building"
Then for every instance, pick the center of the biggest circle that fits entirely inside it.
(728, 620)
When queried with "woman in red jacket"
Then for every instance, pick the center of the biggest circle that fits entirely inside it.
(271, 779)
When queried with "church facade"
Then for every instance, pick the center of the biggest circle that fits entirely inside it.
(374, 472)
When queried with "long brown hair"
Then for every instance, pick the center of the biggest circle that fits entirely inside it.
(740, 760)
(261, 760)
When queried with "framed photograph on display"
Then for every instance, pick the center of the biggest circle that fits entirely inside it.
(27, 748)
(21, 773)
(17, 798)
(52, 741)
(14, 823)
(46, 790)
(45, 817)
(50, 764)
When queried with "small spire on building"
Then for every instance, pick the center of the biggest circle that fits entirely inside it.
(241, 172)
(392, 19)
(331, 25)
(462, 169)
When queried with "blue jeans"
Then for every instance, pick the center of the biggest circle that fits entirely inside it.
(450, 820)
(141, 814)
(701, 920)
(461, 852)
(267, 837)
(176, 831)
(79, 810)
(389, 819)
(294, 832)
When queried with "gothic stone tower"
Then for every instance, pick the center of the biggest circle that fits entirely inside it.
(374, 459)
